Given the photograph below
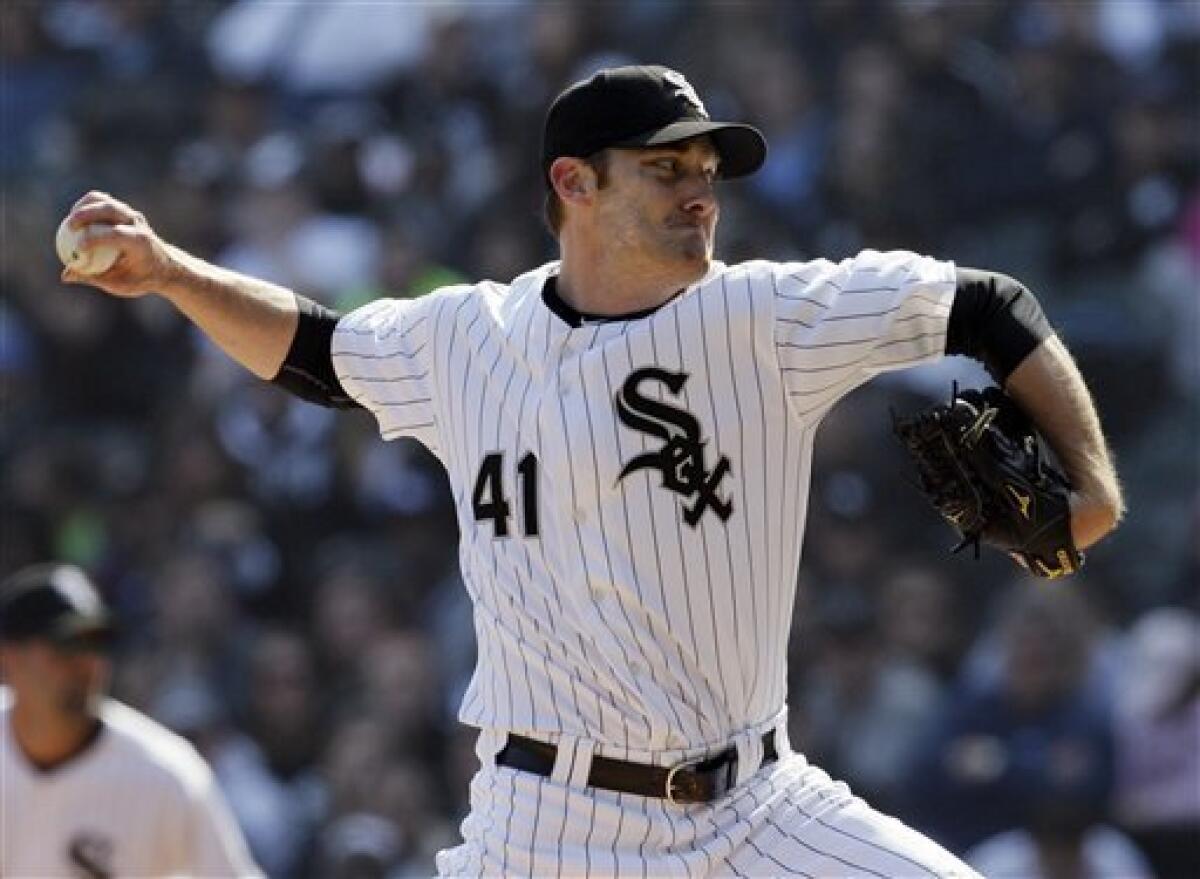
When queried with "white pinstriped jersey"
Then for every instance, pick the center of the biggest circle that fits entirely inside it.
(138, 802)
(631, 494)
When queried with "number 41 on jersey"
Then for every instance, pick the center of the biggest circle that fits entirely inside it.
(489, 499)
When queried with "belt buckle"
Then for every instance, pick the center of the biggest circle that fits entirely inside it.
(674, 770)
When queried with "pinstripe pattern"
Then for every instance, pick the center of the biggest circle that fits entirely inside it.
(649, 614)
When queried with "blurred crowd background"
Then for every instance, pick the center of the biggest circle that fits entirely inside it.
(288, 583)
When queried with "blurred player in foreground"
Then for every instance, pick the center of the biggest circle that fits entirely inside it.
(88, 786)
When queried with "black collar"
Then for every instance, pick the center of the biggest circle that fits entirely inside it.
(575, 319)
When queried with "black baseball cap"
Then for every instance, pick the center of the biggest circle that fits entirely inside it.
(642, 106)
(57, 602)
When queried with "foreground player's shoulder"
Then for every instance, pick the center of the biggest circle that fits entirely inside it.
(152, 750)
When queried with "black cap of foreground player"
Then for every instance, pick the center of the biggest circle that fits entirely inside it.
(639, 107)
(56, 602)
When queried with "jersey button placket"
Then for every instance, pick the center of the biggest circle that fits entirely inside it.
(554, 451)
(570, 398)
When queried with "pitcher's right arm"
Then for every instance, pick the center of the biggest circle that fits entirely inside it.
(252, 320)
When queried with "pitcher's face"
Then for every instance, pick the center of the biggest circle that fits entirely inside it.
(661, 208)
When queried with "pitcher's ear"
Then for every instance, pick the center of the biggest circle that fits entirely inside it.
(573, 179)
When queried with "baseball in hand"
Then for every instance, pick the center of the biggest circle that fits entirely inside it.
(94, 261)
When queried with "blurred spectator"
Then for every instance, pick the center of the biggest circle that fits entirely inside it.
(401, 687)
(360, 846)
(1158, 729)
(281, 442)
(284, 235)
(201, 642)
(1061, 844)
(395, 830)
(304, 46)
(1036, 734)
(349, 614)
(269, 772)
(921, 619)
(778, 94)
(864, 709)
(358, 750)
(39, 80)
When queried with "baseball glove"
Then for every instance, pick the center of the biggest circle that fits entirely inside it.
(980, 462)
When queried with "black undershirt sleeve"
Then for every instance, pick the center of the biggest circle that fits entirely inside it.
(995, 320)
(307, 371)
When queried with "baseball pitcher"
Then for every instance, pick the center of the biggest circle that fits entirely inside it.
(628, 433)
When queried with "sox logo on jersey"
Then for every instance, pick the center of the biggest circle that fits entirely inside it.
(92, 854)
(681, 459)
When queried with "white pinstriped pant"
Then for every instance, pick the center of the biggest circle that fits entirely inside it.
(788, 819)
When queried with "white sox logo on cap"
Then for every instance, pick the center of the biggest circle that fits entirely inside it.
(643, 106)
(684, 89)
(73, 584)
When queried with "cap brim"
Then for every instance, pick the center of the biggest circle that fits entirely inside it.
(743, 149)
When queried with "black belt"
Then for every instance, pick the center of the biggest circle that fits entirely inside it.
(695, 781)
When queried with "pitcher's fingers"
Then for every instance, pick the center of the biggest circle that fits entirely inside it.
(102, 212)
(97, 196)
(90, 196)
(93, 197)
